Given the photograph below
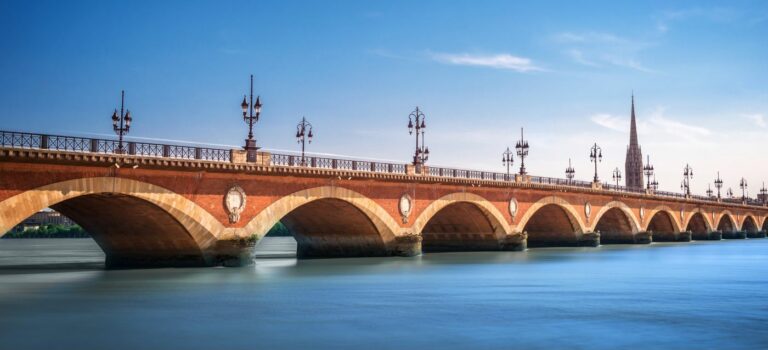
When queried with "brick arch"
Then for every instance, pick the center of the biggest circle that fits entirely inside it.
(726, 221)
(699, 214)
(632, 222)
(545, 219)
(156, 226)
(698, 223)
(765, 224)
(749, 223)
(490, 212)
(319, 217)
(663, 211)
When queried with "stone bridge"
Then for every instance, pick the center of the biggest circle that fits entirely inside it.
(169, 205)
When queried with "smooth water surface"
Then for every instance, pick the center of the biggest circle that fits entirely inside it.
(711, 295)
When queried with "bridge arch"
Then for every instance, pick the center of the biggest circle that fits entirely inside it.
(698, 222)
(726, 222)
(329, 221)
(615, 222)
(749, 223)
(134, 222)
(552, 221)
(461, 221)
(662, 219)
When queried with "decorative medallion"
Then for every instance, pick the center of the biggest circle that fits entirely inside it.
(513, 207)
(588, 210)
(405, 207)
(642, 213)
(682, 214)
(713, 216)
(234, 201)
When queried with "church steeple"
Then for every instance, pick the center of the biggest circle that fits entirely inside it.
(633, 166)
(633, 126)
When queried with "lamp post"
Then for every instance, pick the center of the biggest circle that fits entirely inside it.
(303, 133)
(654, 185)
(617, 176)
(507, 158)
(648, 170)
(743, 186)
(522, 151)
(686, 184)
(729, 193)
(709, 191)
(763, 194)
(421, 154)
(251, 113)
(595, 156)
(121, 123)
(569, 171)
(718, 184)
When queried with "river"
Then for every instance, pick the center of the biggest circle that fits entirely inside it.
(54, 294)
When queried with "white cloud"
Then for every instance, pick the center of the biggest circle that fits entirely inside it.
(612, 122)
(758, 119)
(596, 49)
(498, 61)
(656, 122)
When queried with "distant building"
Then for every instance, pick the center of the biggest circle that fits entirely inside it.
(633, 166)
(41, 218)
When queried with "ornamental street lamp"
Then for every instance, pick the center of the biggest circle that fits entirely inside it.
(617, 176)
(648, 170)
(764, 194)
(303, 133)
(421, 154)
(709, 190)
(729, 193)
(507, 158)
(251, 113)
(595, 156)
(121, 123)
(654, 185)
(569, 171)
(718, 184)
(522, 151)
(686, 184)
(743, 186)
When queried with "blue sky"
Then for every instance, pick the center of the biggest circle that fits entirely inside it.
(479, 69)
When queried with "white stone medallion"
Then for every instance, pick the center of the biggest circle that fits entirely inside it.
(588, 210)
(642, 213)
(234, 202)
(405, 205)
(513, 207)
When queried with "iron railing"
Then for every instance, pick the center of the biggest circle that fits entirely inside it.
(22, 140)
(89, 145)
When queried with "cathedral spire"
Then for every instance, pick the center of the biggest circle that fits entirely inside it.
(633, 126)
(633, 166)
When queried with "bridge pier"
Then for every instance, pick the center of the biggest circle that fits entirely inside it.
(734, 235)
(589, 239)
(756, 234)
(637, 238)
(707, 236)
(672, 236)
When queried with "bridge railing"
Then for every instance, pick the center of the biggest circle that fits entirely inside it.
(91, 145)
(289, 160)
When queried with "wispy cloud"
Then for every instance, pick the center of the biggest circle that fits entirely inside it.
(612, 122)
(657, 121)
(712, 14)
(758, 119)
(496, 61)
(599, 49)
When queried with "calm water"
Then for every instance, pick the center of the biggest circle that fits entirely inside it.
(711, 295)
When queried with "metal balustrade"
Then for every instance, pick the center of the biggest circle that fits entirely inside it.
(20, 140)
